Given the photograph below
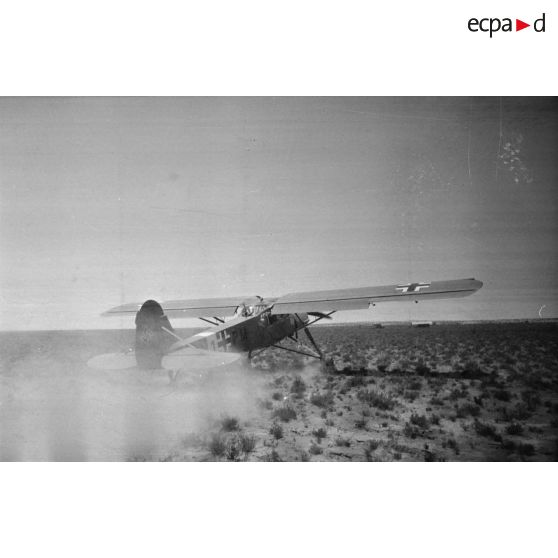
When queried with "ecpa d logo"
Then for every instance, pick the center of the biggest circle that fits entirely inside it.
(492, 25)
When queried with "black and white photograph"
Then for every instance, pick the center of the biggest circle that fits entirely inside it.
(279, 279)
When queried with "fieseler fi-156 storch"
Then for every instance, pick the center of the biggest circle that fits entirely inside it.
(256, 323)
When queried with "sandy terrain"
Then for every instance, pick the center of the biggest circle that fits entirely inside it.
(448, 392)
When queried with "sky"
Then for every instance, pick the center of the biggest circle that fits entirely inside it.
(111, 200)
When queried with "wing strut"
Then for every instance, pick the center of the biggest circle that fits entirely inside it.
(321, 317)
(209, 321)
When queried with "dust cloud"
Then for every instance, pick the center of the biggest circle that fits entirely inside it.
(54, 408)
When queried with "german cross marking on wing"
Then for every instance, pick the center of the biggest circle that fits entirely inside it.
(412, 287)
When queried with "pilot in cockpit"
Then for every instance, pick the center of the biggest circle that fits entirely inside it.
(245, 311)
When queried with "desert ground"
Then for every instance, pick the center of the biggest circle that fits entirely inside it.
(449, 392)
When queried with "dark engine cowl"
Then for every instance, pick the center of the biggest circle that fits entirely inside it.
(152, 341)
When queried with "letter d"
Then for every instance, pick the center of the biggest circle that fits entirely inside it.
(535, 25)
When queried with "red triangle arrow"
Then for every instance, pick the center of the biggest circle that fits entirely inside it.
(519, 25)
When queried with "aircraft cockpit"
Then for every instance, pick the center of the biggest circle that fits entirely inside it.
(245, 311)
(251, 307)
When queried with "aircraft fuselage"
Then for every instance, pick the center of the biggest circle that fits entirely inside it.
(246, 334)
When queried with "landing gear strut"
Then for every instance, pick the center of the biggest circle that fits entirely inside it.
(319, 356)
(309, 335)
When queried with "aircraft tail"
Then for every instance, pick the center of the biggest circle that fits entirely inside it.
(152, 341)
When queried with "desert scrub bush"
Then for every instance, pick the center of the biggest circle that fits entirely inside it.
(458, 393)
(437, 402)
(502, 395)
(422, 369)
(526, 450)
(284, 413)
(315, 449)
(277, 396)
(342, 442)
(452, 444)
(468, 409)
(487, 430)
(383, 362)
(535, 381)
(217, 445)
(518, 412)
(415, 385)
(229, 424)
(471, 369)
(320, 434)
(322, 399)
(397, 447)
(276, 431)
(404, 365)
(272, 456)
(232, 448)
(420, 420)
(514, 429)
(435, 419)
(430, 456)
(355, 381)
(247, 443)
(370, 447)
(532, 399)
(411, 431)
(303, 456)
(411, 396)
(376, 399)
(298, 387)
(360, 423)
(509, 445)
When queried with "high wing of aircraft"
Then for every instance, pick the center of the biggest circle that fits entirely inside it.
(257, 323)
(364, 297)
(311, 301)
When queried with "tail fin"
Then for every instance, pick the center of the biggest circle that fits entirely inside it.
(152, 342)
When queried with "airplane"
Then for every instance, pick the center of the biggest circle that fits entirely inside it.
(255, 324)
